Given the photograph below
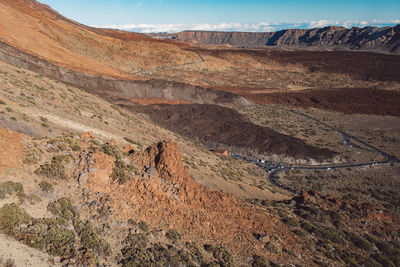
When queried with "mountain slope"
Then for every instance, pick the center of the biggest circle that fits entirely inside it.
(369, 38)
(38, 30)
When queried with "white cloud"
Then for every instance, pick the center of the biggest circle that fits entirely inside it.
(321, 23)
(254, 27)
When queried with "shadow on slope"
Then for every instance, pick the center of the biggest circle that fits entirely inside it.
(215, 124)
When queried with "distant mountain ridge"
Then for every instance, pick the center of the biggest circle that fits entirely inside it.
(386, 40)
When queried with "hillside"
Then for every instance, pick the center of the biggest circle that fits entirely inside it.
(386, 40)
(118, 195)
(42, 32)
(116, 64)
(114, 150)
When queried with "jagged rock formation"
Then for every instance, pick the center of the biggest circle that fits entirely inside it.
(169, 198)
(385, 39)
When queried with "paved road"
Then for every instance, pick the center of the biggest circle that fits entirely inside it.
(273, 169)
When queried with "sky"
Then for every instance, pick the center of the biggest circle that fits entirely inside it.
(224, 15)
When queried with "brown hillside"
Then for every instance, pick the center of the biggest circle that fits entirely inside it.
(42, 32)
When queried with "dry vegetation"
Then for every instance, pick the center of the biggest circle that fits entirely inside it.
(379, 131)
(84, 182)
(55, 108)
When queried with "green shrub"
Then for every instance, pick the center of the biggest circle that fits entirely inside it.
(120, 172)
(271, 248)
(75, 147)
(12, 216)
(223, 257)
(54, 169)
(46, 187)
(331, 234)
(138, 253)
(63, 208)
(139, 241)
(9, 188)
(384, 260)
(26, 118)
(104, 212)
(169, 256)
(111, 150)
(45, 125)
(90, 238)
(388, 249)
(43, 119)
(359, 241)
(291, 222)
(323, 232)
(2, 102)
(259, 261)
(55, 240)
(173, 235)
(33, 156)
(368, 262)
(129, 140)
(132, 222)
(143, 226)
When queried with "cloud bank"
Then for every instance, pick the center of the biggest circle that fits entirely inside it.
(255, 27)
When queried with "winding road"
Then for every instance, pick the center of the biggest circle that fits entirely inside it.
(273, 169)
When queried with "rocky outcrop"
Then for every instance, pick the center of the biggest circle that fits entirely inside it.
(385, 39)
(171, 199)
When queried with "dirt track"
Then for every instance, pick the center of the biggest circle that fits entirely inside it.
(348, 100)
(215, 124)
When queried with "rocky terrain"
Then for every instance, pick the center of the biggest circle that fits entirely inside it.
(110, 148)
(385, 40)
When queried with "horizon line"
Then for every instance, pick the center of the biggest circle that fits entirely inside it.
(248, 27)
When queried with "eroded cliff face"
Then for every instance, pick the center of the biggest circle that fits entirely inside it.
(385, 39)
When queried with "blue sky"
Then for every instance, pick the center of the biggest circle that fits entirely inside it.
(250, 15)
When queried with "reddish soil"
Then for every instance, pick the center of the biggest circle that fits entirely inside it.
(11, 150)
(214, 124)
(43, 32)
(170, 199)
(347, 100)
